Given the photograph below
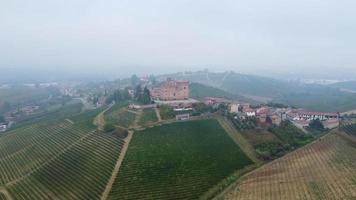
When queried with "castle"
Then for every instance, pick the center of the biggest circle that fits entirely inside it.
(170, 90)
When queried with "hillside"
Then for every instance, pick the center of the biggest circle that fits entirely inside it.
(236, 83)
(346, 85)
(199, 91)
(322, 170)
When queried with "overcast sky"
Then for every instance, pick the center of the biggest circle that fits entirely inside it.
(175, 35)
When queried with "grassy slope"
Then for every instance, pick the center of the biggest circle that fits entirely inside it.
(148, 116)
(180, 160)
(119, 116)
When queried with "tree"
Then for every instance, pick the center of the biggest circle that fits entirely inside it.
(5, 107)
(152, 79)
(317, 125)
(138, 92)
(109, 127)
(145, 97)
(2, 119)
(134, 80)
(126, 94)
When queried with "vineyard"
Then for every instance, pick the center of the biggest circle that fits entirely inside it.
(177, 161)
(322, 170)
(58, 160)
(350, 129)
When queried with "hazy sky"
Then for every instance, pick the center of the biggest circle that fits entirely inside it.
(175, 35)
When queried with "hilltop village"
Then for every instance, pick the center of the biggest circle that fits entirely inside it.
(175, 94)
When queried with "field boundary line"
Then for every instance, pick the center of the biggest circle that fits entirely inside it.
(116, 170)
(70, 121)
(158, 114)
(237, 137)
(6, 193)
(99, 120)
(136, 122)
(50, 160)
(231, 187)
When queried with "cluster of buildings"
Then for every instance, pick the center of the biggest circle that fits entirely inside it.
(263, 114)
(302, 118)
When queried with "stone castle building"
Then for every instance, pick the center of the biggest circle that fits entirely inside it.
(170, 90)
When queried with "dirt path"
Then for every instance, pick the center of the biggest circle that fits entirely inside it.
(99, 120)
(115, 172)
(6, 193)
(135, 124)
(131, 111)
(158, 114)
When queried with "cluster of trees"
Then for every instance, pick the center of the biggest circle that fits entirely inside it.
(4, 107)
(142, 96)
(272, 150)
(118, 96)
(316, 125)
(289, 138)
(244, 124)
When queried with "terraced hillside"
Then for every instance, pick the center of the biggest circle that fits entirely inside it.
(177, 161)
(322, 170)
(60, 160)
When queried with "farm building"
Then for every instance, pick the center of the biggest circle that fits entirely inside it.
(301, 115)
(182, 117)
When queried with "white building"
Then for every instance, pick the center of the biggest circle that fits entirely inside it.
(234, 107)
(3, 127)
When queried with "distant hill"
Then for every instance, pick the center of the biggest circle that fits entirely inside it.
(243, 84)
(199, 91)
(346, 86)
(309, 96)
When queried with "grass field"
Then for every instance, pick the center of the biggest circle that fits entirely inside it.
(166, 112)
(255, 137)
(57, 160)
(177, 161)
(322, 170)
(148, 116)
(118, 115)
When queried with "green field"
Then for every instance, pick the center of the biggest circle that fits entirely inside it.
(166, 112)
(177, 161)
(57, 160)
(148, 116)
(118, 115)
